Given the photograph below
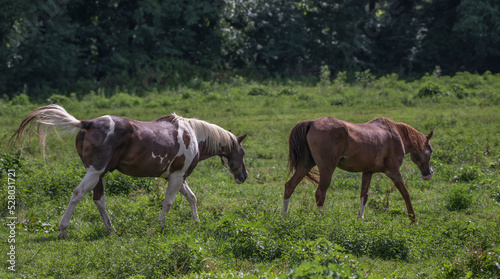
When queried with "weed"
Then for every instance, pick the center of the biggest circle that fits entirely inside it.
(467, 174)
(429, 90)
(458, 198)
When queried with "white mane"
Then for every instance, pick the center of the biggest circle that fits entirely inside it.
(214, 136)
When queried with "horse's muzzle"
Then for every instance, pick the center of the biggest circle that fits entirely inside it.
(241, 177)
(428, 175)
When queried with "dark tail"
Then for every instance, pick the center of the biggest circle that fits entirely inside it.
(299, 152)
(45, 118)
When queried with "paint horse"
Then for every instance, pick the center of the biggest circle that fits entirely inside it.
(376, 146)
(169, 147)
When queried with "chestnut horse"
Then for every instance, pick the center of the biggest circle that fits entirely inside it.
(376, 146)
(169, 147)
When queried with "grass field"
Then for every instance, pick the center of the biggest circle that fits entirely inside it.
(240, 232)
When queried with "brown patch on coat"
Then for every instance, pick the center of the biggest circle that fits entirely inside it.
(99, 190)
(186, 139)
(178, 163)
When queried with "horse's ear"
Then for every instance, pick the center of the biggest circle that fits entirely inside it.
(429, 136)
(240, 139)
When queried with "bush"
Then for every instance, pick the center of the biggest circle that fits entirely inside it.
(58, 99)
(125, 100)
(260, 91)
(21, 100)
(117, 183)
(429, 90)
(468, 174)
(316, 270)
(458, 198)
(475, 264)
(287, 91)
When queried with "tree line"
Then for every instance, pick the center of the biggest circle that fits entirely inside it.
(67, 46)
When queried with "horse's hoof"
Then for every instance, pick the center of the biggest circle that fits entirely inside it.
(62, 235)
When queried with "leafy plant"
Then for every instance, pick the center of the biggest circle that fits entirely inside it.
(458, 198)
(467, 174)
(260, 91)
(429, 90)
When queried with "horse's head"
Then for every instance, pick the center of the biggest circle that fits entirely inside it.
(422, 158)
(233, 160)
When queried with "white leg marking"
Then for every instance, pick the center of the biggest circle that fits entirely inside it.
(361, 209)
(88, 183)
(186, 191)
(286, 202)
(101, 206)
(175, 182)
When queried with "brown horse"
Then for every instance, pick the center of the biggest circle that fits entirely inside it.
(169, 147)
(376, 146)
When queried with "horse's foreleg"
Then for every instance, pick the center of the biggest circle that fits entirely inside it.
(186, 191)
(175, 182)
(397, 179)
(365, 185)
(290, 186)
(100, 202)
(88, 183)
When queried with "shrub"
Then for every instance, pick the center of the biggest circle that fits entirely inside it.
(325, 76)
(468, 174)
(316, 270)
(58, 99)
(117, 183)
(21, 100)
(9, 161)
(260, 91)
(125, 100)
(458, 198)
(458, 91)
(387, 247)
(365, 77)
(475, 264)
(288, 91)
(429, 90)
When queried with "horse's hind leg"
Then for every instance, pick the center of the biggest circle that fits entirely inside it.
(365, 185)
(290, 186)
(88, 183)
(100, 202)
(186, 191)
(325, 177)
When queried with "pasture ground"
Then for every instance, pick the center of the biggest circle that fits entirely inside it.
(240, 232)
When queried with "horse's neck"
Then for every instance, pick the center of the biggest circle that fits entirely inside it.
(206, 152)
(409, 137)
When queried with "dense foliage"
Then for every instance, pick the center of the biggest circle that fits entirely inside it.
(241, 233)
(76, 46)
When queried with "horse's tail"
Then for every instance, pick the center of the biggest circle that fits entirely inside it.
(46, 119)
(299, 152)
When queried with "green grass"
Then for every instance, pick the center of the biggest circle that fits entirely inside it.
(240, 232)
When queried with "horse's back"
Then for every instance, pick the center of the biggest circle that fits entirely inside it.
(133, 147)
(358, 147)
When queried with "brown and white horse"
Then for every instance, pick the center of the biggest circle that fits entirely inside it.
(376, 146)
(169, 147)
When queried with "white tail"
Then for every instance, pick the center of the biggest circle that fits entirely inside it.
(47, 118)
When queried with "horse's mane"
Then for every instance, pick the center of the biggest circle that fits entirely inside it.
(214, 136)
(409, 133)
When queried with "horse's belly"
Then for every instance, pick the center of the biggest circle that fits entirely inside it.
(359, 165)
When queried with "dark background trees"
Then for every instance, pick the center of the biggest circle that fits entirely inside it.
(51, 46)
